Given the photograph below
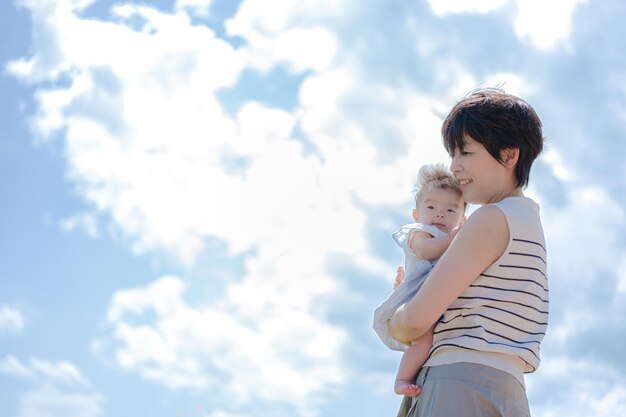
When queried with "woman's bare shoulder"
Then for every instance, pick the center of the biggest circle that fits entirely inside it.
(485, 234)
(487, 217)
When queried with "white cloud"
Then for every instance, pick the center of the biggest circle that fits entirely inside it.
(57, 389)
(255, 345)
(51, 402)
(10, 366)
(173, 168)
(221, 413)
(621, 285)
(590, 214)
(337, 131)
(612, 402)
(62, 372)
(583, 244)
(150, 145)
(544, 23)
(11, 319)
(254, 17)
(198, 7)
(86, 222)
(288, 33)
(590, 388)
(559, 169)
(588, 217)
(171, 128)
(443, 7)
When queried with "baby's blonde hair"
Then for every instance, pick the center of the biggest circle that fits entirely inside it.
(433, 176)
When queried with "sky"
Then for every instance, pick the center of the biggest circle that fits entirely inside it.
(198, 196)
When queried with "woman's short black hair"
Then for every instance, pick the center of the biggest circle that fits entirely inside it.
(498, 121)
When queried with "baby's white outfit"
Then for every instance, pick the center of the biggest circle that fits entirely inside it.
(416, 270)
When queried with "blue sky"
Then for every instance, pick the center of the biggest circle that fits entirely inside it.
(198, 196)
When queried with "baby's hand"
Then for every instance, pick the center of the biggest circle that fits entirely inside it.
(399, 277)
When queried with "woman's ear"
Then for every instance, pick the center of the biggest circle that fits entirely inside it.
(509, 157)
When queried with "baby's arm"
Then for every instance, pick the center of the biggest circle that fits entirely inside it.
(426, 246)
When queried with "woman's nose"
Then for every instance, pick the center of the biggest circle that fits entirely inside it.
(454, 164)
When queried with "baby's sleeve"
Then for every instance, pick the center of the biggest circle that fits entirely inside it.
(402, 235)
(430, 229)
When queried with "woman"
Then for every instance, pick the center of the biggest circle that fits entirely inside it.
(488, 294)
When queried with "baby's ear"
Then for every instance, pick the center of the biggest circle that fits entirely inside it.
(415, 215)
(509, 157)
(463, 220)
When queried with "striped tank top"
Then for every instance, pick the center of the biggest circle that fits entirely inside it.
(501, 318)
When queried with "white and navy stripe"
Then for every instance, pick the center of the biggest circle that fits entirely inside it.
(505, 310)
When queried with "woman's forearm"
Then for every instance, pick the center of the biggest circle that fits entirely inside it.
(404, 326)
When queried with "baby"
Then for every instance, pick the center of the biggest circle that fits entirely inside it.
(439, 212)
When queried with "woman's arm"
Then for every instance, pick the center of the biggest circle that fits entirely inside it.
(480, 242)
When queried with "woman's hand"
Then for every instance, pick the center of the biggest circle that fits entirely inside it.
(399, 277)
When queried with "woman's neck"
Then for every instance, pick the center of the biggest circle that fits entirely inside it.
(514, 192)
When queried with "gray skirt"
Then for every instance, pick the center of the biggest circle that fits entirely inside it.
(466, 390)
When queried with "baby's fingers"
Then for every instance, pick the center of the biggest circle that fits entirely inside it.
(399, 277)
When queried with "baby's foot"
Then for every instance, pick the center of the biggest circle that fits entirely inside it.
(407, 388)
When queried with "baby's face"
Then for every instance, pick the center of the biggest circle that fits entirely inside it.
(441, 208)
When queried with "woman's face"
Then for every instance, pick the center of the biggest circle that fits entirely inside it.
(482, 178)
